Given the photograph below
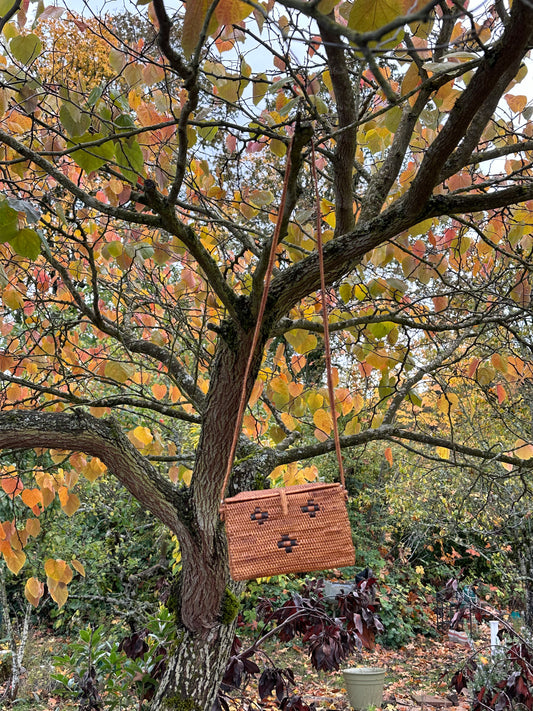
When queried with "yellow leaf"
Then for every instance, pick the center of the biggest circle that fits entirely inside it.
(443, 452)
(260, 88)
(121, 372)
(485, 374)
(277, 147)
(93, 469)
(58, 591)
(323, 421)
(185, 475)
(369, 15)
(288, 421)
(447, 403)
(314, 401)
(345, 292)
(58, 570)
(302, 341)
(523, 450)
(78, 566)
(280, 391)
(33, 590)
(142, 435)
(14, 560)
(70, 503)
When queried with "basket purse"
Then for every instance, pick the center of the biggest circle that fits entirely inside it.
(294, 529)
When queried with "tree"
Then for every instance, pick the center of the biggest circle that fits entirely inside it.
(137, 221)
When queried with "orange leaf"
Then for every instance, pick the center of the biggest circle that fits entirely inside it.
(193, 21)
(388, 455)
(231, 12)
(32, 497)
(516, 103)
(159, 391)
(500, 390)
(473, 366)
(12, 485)
(33, 527)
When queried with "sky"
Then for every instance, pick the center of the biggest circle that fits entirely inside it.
(88, 7)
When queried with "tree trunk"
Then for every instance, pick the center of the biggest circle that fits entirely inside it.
(206, 596)
(194, 670)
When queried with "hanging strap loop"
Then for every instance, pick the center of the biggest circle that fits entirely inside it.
(325, 318)
(262, 306)
(259, 321)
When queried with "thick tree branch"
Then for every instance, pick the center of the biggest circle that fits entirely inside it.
(346, 143)
(396, 434)
(499, 66)
(80, 432)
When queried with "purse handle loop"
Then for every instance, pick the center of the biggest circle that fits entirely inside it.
(325, 318)
(261, 312)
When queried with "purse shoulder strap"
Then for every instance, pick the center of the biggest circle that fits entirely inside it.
(260, 314)
(325, 317)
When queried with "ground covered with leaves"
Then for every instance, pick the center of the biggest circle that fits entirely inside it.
(417, 676)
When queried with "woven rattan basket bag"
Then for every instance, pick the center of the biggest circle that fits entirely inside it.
(295, 529)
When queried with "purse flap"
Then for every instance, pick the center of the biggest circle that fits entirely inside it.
(263, 494)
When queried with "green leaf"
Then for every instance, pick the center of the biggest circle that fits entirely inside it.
(93, 97)
(27, 243)
(8, 221)
(73, 120)
(117, 60)
(370, 15)
(5, 6)
(130, 160)
(25, 48)
(124, 122)
(94, 157)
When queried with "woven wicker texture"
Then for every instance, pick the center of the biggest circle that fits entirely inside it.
(296, 529)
